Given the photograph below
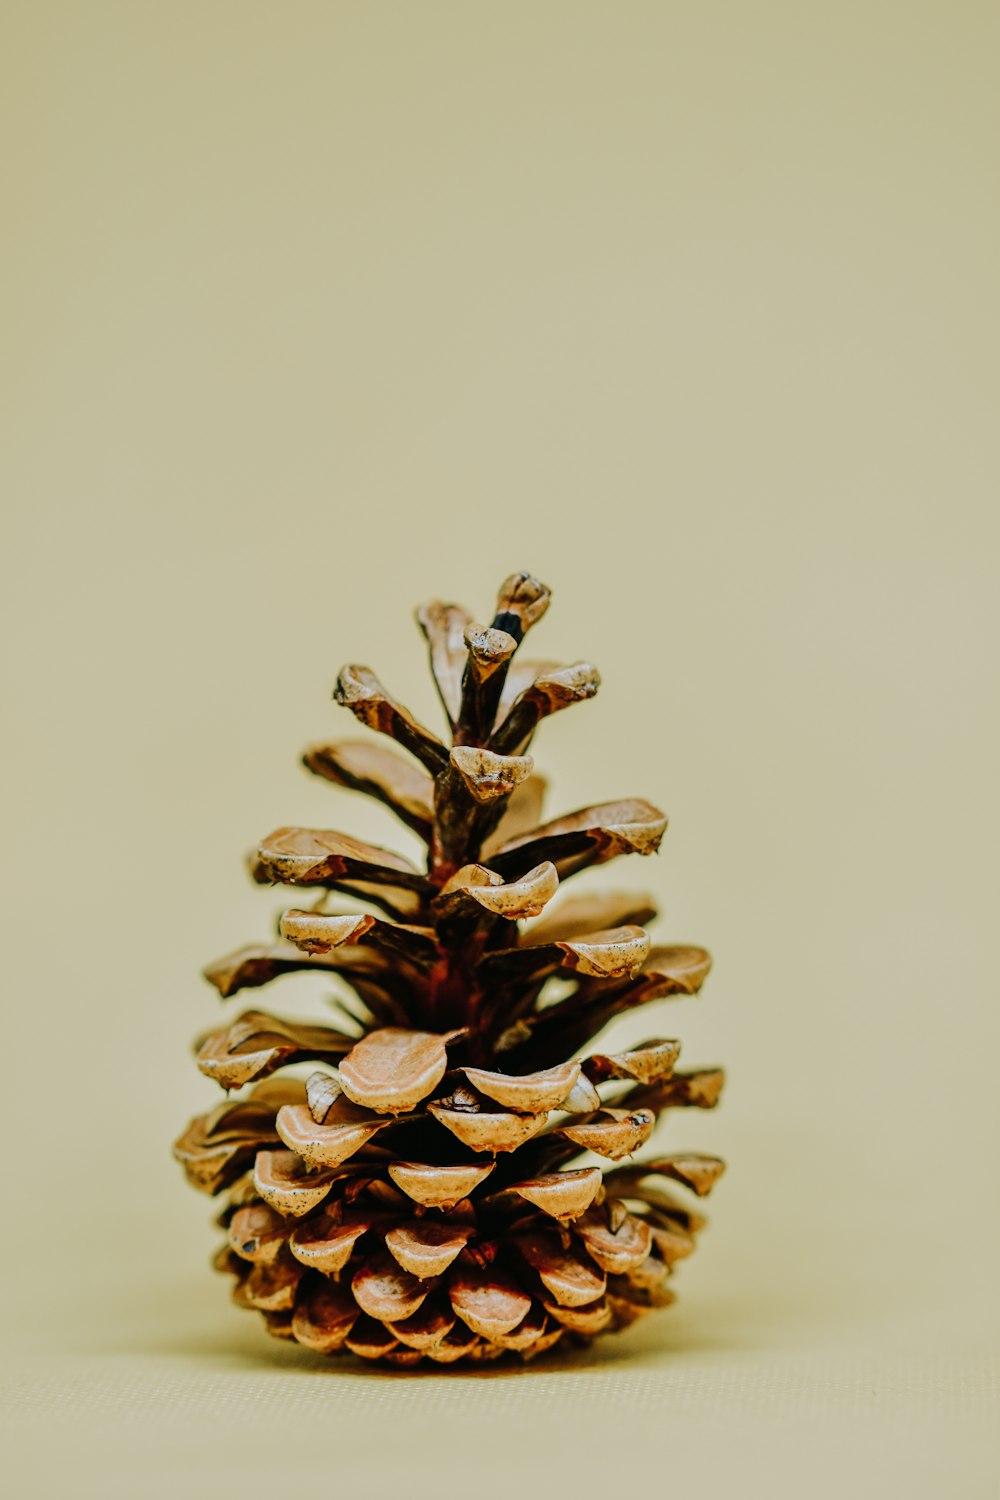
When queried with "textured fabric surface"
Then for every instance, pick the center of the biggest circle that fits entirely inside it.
(819, 1363)
(199, 1402)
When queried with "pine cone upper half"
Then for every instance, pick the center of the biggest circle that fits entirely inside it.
(426, 1183)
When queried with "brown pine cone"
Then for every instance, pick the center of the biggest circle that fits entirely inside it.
(413, 1197)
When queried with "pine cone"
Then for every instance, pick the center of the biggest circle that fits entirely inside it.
(419, 1194)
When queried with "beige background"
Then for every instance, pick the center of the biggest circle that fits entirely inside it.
(313, 310)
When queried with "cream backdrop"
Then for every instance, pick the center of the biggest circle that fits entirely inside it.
(315, 310)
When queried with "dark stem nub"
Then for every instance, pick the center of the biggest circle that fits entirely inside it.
(510, 624)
